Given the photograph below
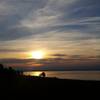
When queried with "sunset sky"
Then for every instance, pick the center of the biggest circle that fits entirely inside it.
(66, 31)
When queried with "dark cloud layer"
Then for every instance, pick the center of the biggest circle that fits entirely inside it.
(10, 50)
(59, 55)
(53, 64)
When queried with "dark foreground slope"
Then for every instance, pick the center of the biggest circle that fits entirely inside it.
(27, 86)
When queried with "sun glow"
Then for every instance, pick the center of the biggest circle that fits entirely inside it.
(38, 54)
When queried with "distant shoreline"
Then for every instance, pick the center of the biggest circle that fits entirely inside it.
(60, 70)
(77, 75)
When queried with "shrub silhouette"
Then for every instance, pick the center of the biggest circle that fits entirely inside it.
(1, 67)
(42, 74)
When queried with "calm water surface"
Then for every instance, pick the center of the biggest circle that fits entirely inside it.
(82, 75)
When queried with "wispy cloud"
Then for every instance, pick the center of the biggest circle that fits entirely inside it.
(33, 17)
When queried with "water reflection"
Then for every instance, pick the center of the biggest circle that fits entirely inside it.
(33, 73)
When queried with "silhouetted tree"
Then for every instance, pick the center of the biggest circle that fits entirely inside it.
(1, 69)
(9, 72)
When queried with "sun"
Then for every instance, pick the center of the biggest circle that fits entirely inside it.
(38, 54)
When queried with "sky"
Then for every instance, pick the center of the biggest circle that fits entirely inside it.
(68, 31)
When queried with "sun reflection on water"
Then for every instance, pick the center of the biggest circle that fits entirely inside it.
(33, 73)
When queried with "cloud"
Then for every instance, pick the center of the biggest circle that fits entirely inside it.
(20, 19)
(51, 19)
(83, 57)
(68, 26)
(59, 55)
(10, 50)
(12, 12)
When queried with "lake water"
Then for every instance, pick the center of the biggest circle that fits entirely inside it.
(81, 75)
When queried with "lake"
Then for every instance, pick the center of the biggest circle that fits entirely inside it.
(81, 75)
